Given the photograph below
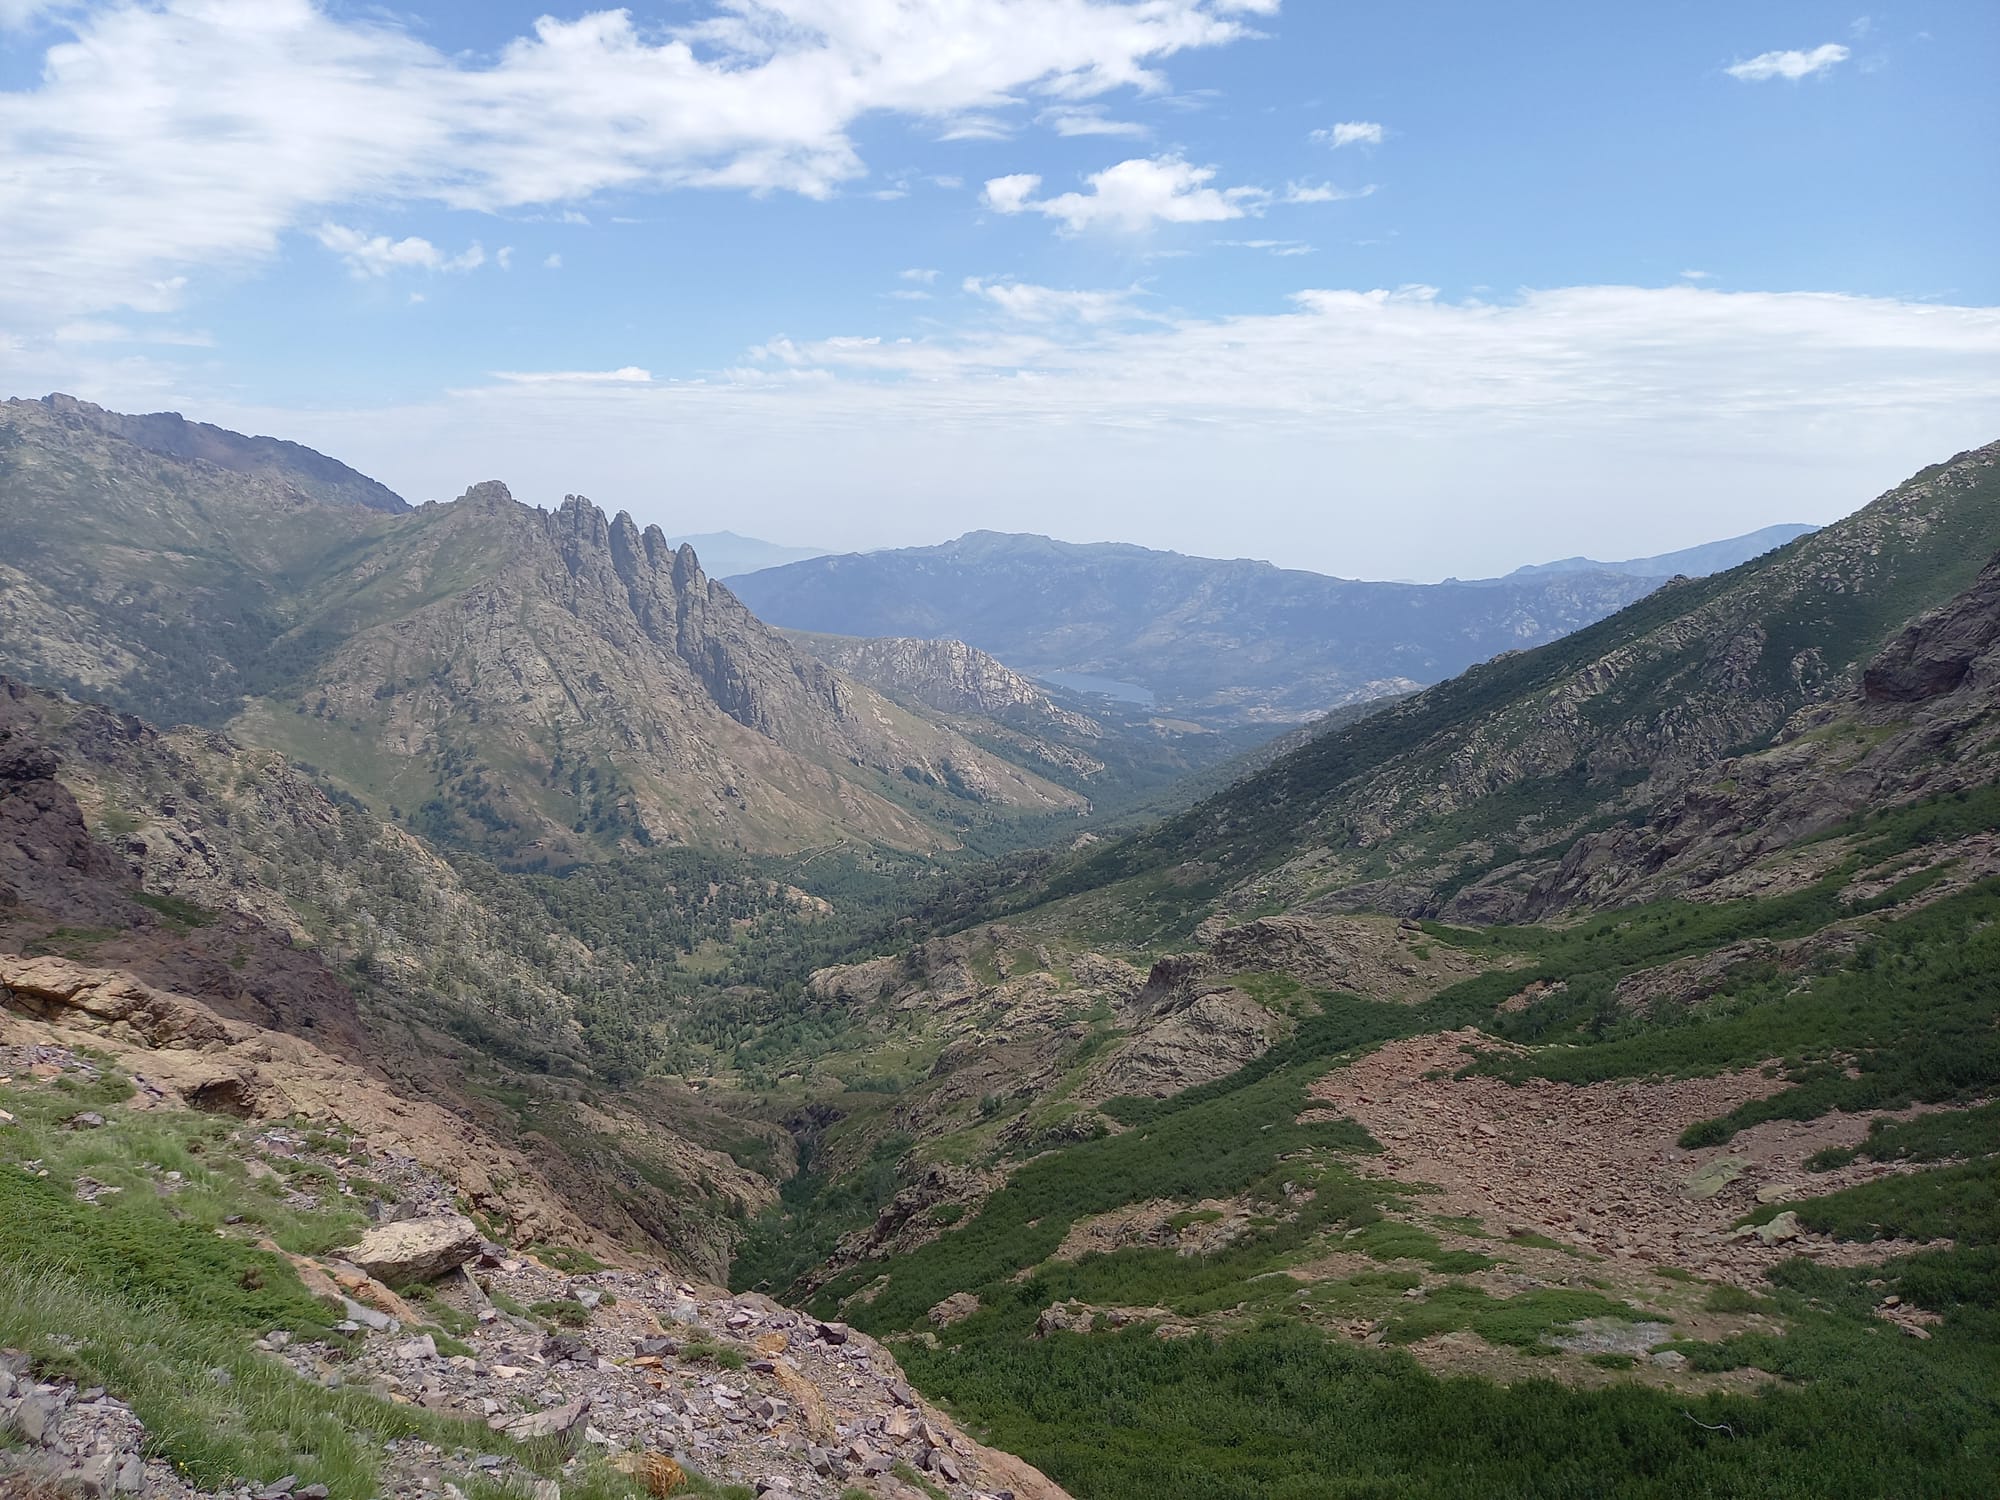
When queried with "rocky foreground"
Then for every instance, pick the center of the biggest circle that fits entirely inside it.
(680, 1385)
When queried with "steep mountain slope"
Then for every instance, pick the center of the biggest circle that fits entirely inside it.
(948, 675)
(1220, 642)
(539, 681)
(1462, 798)
(170, 435)
(1698, 1183)
(210, 912)
(549, 686)
(162, 578)
(1689, 562)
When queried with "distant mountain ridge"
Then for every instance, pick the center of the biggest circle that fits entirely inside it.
(1476, 799)
(724, 553)
(1689, 562)
(171, 435)
(1219, 642)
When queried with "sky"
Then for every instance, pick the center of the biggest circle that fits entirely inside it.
(1402, 291)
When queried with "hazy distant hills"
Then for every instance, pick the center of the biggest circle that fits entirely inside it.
(1689, 562)
(1516, 788)
(724, 553)
(1216, 641)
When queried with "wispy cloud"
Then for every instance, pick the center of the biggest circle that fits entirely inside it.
(1350, 133)
(1791, 65)
(625, 375)
(378, 255)
(1088, 119)
(1043, 304)
(181, 137)
(1131, 196)
(1386, 433)
(1270, 247)
(1323, 192)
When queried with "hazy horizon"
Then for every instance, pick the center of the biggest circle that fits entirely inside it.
(1359, 292)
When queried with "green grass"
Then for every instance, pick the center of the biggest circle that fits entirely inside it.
(1957, 1202)
(1282, 1413)
(1934, 1137)
(1521, 1322)
(708, 1351)
(150, 1289)
(1907, 1019)
(565, 1312)
(1393, 1240)
(1728, 1299)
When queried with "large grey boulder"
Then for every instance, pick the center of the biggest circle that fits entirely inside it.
(416, 1249)
(557, 1422)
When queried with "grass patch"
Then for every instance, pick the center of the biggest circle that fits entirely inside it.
(1938, 1137)
(707, 1351)
(151, 1288)
(1958, 1202)
(562, 1311)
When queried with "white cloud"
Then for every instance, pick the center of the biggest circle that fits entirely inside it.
(1350, 133)
(625, 375)
(1323, 192)
(1384, 433)
(1088, 119)
(976, 127)
(552, 261)
(1792, 65)
(1133, 195)
(20, 14)
(378, 255)
(924, 275)
(1043, 304)
(191, 135)
(504, 257)
(1273, 247)
(1697, 275)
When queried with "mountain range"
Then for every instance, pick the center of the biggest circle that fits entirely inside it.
(1202, 639)
(539, 683)
(1586, 1053)
(1572, 1076)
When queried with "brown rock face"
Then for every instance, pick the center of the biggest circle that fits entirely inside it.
(1954, 646)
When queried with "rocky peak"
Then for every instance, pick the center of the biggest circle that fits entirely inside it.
(947, 675)
(171, 435)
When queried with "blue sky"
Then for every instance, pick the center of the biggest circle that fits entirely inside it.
(1383, 290)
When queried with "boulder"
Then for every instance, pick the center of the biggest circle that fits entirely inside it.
(1065, 1317)
(557, 1422)
(954, 1309)
(416, 1249)
(1781, 1230)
